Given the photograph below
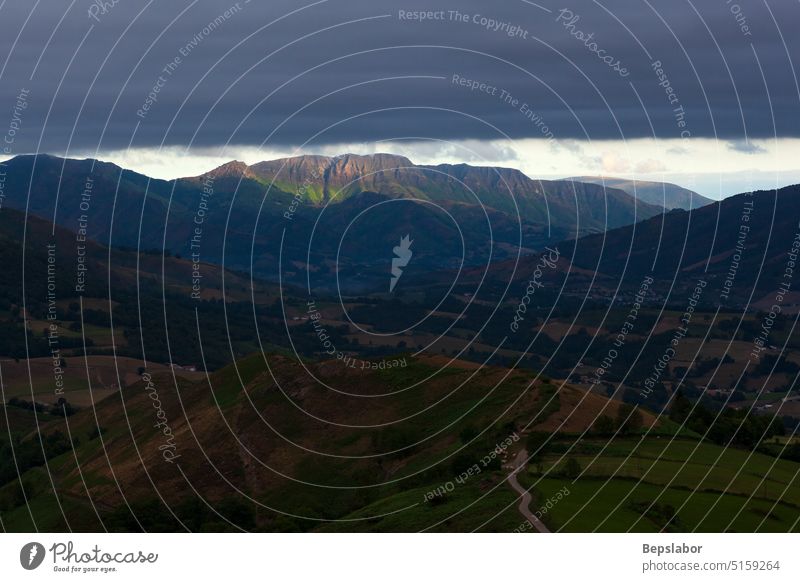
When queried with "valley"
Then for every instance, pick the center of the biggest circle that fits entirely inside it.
(598, 383)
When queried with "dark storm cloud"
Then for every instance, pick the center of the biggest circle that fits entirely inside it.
(105, 75)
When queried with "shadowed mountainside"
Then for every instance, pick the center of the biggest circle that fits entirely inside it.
(662, 194)
(303, 207)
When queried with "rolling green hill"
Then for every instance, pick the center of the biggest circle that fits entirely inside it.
(262, 446)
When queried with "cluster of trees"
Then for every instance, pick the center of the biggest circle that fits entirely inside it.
(30, 453)
(727, 427)
(628, 420)
(539, 444)
(13, 342)
(703, 367)
(664, 515)
(25, 405)
(477, 450)
(61, 407)
(772, 364)
(229, 515)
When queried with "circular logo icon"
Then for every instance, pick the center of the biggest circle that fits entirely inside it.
(31, 555)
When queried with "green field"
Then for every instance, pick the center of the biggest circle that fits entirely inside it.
(655, 484)
(378, 477)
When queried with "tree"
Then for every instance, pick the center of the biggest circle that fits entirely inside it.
(629, 419)
(537, 445)
(572, 468)
(62, 407)
(468, 433)
(603, 425)
(681, 408)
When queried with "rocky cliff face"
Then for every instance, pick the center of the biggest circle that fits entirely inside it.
(562, 203)
(296, 170)
(390, 174)
(235, 169)
(325, 178)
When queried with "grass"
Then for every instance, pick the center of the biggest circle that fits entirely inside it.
(42, 512)
(603, 515)
(707, 475)
(408, 512)
(226, 384)
(628, 475)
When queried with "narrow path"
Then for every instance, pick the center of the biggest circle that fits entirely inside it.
(519, 464)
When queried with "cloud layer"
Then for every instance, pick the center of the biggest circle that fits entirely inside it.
(105, 76)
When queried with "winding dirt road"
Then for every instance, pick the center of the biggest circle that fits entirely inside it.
(519, 464)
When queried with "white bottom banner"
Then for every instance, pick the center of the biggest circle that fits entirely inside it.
(399, 557)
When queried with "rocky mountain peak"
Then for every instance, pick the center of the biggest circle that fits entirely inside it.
(234, 169)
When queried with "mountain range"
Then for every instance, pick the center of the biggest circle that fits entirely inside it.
(743, 248)
(261, 444)
(663, 194)
(563, 203)
(321, 214)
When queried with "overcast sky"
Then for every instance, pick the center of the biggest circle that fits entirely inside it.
(573, 88)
